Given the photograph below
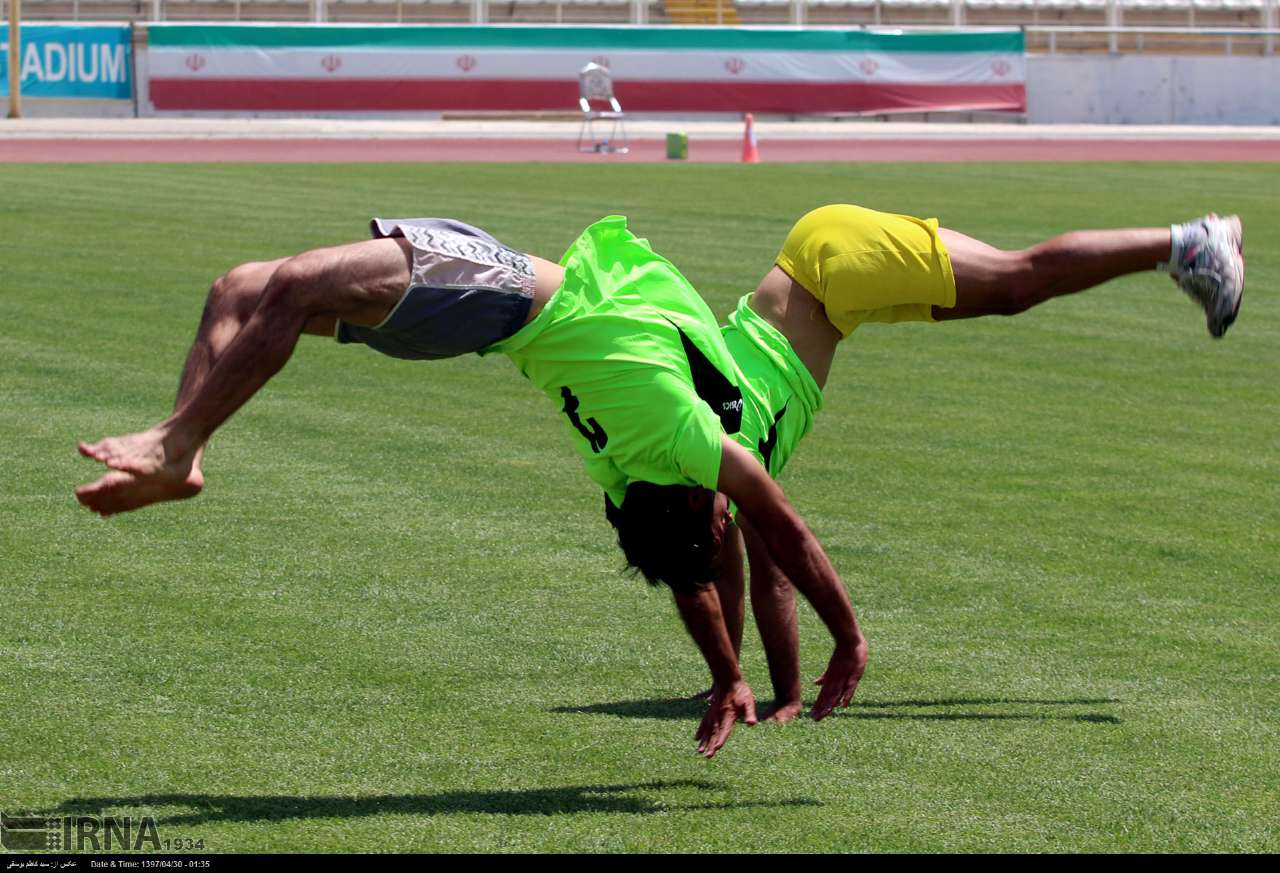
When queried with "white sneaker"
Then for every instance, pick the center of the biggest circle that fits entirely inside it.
(1211, 269)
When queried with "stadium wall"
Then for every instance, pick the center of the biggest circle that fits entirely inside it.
(1153, 89)
(68, 69)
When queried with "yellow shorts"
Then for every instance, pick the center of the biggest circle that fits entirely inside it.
(869, 266)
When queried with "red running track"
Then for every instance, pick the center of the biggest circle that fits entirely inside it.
(516, 150)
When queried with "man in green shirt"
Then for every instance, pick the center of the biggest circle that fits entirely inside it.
(842, 266)
(664, 414)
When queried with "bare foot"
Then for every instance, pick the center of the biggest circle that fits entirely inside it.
(145, 453)
(119, 491)
(781, 712)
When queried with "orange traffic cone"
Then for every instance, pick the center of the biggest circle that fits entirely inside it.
(750, 148)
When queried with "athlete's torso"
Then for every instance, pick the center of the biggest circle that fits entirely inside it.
(646, 381)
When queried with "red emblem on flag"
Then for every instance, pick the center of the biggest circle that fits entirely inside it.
(466, 63)
(735, 66)
(1001, 68)
(196, 63)
(330, 63)
(868, 67)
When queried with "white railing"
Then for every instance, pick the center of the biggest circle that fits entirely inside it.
(1266, 13)
(1226, 37)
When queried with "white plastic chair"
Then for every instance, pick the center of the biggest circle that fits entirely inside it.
(595, 91)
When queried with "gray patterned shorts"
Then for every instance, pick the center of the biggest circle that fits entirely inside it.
(466, 292)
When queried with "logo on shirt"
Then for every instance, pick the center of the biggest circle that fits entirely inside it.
(713, 386)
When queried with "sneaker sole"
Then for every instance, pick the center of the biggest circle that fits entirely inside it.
(1235, 230)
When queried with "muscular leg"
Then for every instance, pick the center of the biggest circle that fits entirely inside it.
(250, 325)
(990, 281)
(232, 299)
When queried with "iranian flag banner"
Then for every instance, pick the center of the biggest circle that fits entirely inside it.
(398, 68)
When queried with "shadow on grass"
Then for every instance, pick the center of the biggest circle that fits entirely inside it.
(861, 709)
(675, 709)
(534, 801)
(992, 701)
(1094, 717)
(684, 709)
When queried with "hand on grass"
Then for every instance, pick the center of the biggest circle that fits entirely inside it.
(781, 712)
(727, 706)
(841, 678)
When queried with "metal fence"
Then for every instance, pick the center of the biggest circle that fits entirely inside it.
(1230, 41)
(1032, 13)
(1227, 27)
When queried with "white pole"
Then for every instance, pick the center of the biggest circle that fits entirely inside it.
(1115, 18)
(639, 12)
(797, 13)
(1269, 22)
(157, 10)
(15, 58)
(479, 12)
(957, 13)
(317, 11)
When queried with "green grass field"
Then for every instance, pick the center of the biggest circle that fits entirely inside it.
(395, 619)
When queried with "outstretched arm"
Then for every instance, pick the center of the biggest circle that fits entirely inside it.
(773, 602)
(799, 555)
(731, 699)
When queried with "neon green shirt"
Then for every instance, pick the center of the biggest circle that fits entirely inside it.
(781, 396)
(645, 378)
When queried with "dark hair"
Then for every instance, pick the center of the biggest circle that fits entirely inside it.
(663, 537)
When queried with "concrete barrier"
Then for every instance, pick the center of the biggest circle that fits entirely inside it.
(1153, 89)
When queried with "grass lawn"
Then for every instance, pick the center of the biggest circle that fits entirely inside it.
(395, 620)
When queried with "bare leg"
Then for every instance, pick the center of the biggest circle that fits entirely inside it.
(237, 349)
(232, 300)
(773, 603)
(990, 281)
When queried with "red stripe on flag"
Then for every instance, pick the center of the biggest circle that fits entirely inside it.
(400, 95)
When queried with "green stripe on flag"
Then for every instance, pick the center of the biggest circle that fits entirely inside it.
(196, 36)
